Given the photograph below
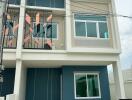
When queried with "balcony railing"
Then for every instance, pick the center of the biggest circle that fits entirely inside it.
(42, 30)
(38, 37)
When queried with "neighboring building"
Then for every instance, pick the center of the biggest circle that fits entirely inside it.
(60, 49)
(127, 76)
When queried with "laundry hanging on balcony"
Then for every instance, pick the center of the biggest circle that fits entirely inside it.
(27, 37)
(38, 30)
(9, 31)
(49, 30)
(28, 19)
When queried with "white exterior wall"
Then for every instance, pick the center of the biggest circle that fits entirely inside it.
(127, 79)
(128, 90)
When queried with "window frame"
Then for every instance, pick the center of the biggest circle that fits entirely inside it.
(87, 73)
(97, 27)
(57, 33)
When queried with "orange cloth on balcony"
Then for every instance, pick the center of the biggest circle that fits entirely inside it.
(37, 18)
(15, 27)
(49, 18)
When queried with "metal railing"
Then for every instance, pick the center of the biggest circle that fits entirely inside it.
(10, 42)
(38, 30)
(11, 30)
(40, 37)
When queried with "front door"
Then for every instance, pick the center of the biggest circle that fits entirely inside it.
(43, 84)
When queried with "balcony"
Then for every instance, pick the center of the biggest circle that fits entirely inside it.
(43, 30)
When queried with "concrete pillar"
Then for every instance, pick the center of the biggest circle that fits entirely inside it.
(118, 78)
(68, 24)
(20, 75)
(115, 25)
(20, 81)
(20, 30)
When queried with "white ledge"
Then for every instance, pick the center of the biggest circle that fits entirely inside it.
(42, 51)
(9, 50)
(94, 50)
(45, 8)
(14, 6)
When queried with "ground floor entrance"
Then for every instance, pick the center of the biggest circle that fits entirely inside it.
(43, 84)
(68, 83)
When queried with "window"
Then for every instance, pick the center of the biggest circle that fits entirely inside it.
(80, 29)
(86, 85)
(90, 26)
(39, 30)
(15, 2)
(46, 3)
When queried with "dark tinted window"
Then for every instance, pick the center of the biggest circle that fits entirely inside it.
(46, 3)
(15, 2)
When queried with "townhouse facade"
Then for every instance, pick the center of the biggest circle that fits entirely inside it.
(60, 49)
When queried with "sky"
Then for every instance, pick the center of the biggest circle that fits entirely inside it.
(125, 31)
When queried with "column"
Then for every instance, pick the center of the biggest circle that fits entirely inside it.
(21, 29)
(20, 81)
(119, 83)
(68, 24)
(20, 75)
(115, 25)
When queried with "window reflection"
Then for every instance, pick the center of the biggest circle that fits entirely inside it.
(87, 85)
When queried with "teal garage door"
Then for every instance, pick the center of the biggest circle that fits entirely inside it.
(43, 84)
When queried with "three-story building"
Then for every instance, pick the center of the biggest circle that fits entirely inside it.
(60, 49)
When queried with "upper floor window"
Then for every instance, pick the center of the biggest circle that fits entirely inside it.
(90, 26)
(87, 85)
(46, 3)
(14, 2)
